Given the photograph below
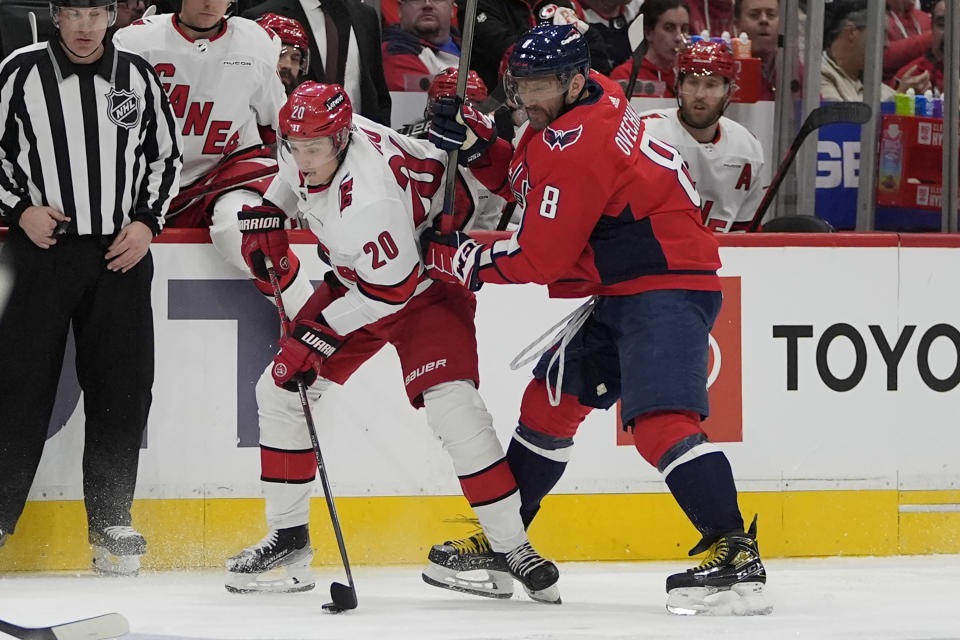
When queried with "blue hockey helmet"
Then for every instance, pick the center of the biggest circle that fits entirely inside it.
(550, 49)
(546, 51)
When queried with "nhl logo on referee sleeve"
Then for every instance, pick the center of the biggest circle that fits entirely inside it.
(123, 108)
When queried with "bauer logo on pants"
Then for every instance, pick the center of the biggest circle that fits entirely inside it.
(724, 382)
(123, 108)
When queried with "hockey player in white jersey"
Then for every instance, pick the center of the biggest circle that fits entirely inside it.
(723, 157)
(220, 74)
(366, 192)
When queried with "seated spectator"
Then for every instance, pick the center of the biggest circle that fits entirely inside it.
(666, 24)
(500, 23)
(760, 20)
(725, 160)
(929, 66)
(908, 36)
(844, 53)
(715, 16)
(294, 59)
(611, 19)
(421, 46)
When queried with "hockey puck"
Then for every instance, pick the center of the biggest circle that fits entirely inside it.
(332, 608)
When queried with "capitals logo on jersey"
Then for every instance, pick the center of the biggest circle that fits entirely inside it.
(558, 139)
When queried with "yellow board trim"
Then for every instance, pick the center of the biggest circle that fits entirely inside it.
(51, 535)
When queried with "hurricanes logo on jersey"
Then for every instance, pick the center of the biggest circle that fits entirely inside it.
(123, 108)
(558, 139)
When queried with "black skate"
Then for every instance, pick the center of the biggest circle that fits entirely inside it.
(471, 566)
(538, 575)
(730, 580)
(280, 563)
(117, 550)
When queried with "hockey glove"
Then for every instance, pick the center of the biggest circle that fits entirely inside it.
(302, 352)
(454, 125)
(452, 257)
(264, 236)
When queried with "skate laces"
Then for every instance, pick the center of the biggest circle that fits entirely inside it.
(477, 543)
(121, 533)
(269, 542)
(524, 559)
(716, 555)
(561, 339)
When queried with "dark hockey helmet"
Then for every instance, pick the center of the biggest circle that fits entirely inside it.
(550, 49)
(110, 7)
(547, 50)
(291, 34)
(317, 110)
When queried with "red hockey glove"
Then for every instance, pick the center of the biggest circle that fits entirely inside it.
(264, 236)
(302, 352)
(452, 257)
(454, 125)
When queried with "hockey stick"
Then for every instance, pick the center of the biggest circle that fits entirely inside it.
(344, 597)
(852, 112)
(110, 625)
(194, 193)
(638, 42)
(32, 19)
(463, 70)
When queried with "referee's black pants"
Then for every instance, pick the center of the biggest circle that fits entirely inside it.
(113, 329)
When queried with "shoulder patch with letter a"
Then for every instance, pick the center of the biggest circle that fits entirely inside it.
(559, 139)
(123, 108)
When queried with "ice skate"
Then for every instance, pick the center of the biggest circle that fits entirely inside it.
(280, 563)
(117, 550)
(3, 537)
(471, 566)
(538, 575)
(730, 580)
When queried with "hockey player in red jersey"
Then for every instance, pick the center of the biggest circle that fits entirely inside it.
(634, 242)
(366, 192)
(220, 73)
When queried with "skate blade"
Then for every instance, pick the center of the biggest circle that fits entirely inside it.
(550, 595)
(281, 580)
(489, 584)
(743, 599)
(107, 564)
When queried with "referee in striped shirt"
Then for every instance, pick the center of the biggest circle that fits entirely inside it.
(89, 161)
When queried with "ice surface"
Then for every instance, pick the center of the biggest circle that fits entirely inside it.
(870, 598)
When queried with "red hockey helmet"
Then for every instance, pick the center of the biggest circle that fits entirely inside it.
(291, 34)
(444, 85)
(706, 58)
(316, 110)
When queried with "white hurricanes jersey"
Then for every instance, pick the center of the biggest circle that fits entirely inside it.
(727, 171)
(222, 89)
(388, 188)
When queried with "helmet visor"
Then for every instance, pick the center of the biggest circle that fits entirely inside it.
(85, 15)
(534, 89)
(308, 154)
(707, 86)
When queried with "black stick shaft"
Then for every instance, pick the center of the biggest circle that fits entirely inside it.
(463, 70)
(311, 428)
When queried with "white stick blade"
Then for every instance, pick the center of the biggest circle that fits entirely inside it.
(110, 625)
(635, 32)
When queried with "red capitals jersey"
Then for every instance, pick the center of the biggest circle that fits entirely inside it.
(606, 209)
